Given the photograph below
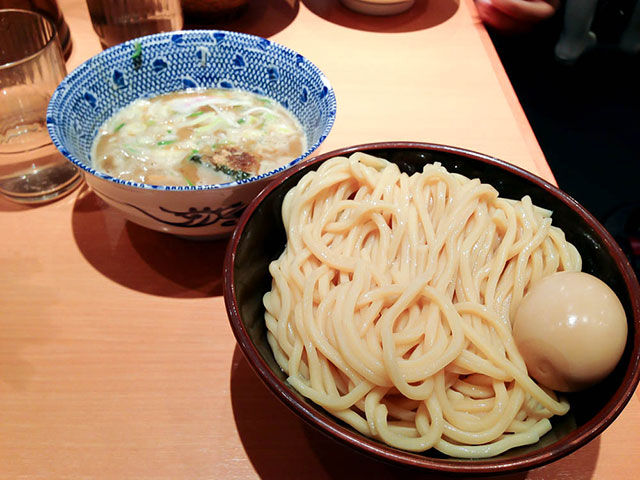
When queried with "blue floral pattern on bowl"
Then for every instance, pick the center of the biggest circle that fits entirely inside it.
(166, 62)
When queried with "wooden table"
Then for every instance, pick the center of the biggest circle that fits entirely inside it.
(116, 358)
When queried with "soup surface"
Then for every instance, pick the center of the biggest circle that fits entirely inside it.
(197, 137)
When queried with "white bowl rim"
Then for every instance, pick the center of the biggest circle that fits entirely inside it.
(69, 79)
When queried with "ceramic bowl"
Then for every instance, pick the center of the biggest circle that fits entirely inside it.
(379, 7)
(172, 61)
(260, 238)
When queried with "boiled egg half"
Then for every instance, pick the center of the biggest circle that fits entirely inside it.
(571, 330)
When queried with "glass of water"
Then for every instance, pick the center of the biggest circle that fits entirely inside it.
(31, 67)
(116, 21)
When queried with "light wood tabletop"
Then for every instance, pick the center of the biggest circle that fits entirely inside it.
(116, 357)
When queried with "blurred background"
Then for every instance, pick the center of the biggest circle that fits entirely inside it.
(585, 114)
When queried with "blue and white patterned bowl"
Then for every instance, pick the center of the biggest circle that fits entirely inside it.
(167, 62)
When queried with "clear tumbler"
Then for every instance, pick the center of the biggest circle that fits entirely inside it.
(116, 21)
(31, 67)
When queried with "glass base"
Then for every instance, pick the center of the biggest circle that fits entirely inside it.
(41, 185)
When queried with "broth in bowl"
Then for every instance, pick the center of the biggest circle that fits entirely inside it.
(198, 137)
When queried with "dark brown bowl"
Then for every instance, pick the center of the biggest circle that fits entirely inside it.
(260, 238)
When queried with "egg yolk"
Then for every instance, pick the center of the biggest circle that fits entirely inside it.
(571, 330)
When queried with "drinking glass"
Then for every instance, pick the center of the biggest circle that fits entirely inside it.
(31, 67)
(48, 8)
(116, 21)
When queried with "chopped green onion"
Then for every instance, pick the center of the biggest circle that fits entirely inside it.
(195, 114)
(194, 151)
(165, 142)
(118, 127)
(188, 181)
(131, 149)
(242, 120)
(137, 50)
(217, 123)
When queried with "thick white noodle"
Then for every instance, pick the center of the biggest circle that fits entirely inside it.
(390, 305)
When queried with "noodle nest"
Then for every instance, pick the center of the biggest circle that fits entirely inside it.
(391, 303)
